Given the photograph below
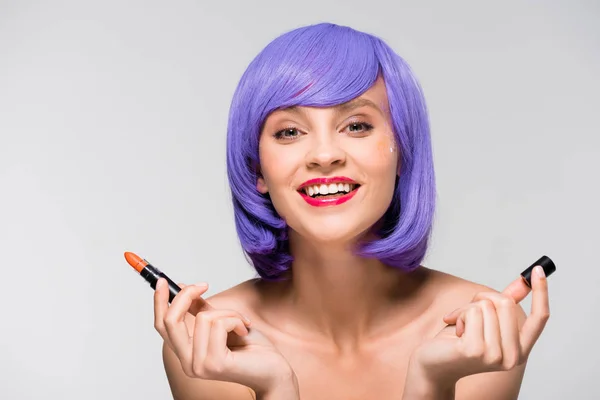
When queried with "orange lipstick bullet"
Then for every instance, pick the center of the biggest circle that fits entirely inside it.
(151, 274)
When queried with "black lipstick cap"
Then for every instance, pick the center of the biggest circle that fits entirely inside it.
(545, 262)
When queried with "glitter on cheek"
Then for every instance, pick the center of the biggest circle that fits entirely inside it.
(387, 144)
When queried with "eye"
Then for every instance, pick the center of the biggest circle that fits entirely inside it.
(359, 127)
(289, 133)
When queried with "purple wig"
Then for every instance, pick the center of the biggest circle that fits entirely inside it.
(324, 65)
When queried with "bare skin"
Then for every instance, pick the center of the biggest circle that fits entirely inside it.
(346, 325)
(373, 367)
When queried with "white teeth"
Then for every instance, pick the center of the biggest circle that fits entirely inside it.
(329, 189)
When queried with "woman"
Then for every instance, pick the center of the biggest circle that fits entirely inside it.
(330, 166)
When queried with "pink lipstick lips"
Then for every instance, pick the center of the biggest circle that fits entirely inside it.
(346, 189)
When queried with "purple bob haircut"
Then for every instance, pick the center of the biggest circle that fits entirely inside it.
(323, 65)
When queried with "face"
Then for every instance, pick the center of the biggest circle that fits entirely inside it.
(346, 153)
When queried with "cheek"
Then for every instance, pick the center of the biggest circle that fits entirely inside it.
(379, 158)
(384, 149)
(386, 144)
(278, 168)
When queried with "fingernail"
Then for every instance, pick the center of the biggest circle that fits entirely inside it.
(246, 318)
(540, 271)
(159, 284)
(202, 285)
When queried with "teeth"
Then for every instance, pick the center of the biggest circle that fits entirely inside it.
(332, 188)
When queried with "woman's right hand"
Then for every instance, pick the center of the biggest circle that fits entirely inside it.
(218, 344)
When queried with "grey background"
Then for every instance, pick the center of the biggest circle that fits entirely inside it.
(112, 124)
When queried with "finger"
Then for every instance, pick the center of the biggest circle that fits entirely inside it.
(473, 335)
(540, 311)
(507, 312)
(188, 295)
(517, 290)
(202, 329)
(199, 304)
(161, 305)
(460, 325)
(460, 319)
(450, 318)
(457, 317)
(174, 320)
(491, 332)
(217, 343)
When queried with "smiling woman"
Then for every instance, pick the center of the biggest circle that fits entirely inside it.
(331, 171)
(326, 141)
(325, 78)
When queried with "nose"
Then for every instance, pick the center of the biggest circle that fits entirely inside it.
(325, 153)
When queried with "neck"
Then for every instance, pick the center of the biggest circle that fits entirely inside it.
(346, 299)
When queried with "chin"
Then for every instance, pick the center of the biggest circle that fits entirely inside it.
(330, 233)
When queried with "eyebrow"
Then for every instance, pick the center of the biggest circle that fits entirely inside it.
(344, 107)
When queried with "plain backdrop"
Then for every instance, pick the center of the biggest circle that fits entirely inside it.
(113, 118)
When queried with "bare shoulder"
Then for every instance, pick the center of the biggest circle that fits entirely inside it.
(244, 298)
(456, 282)
(239, 298)
(455, 292)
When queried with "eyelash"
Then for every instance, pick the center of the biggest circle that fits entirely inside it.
(279, 135)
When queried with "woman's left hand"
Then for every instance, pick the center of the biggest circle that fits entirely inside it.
(489, 334)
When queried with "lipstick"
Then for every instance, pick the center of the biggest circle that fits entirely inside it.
(334, 201)
(328, 200)
(151, 274)
(547, 265)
